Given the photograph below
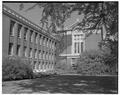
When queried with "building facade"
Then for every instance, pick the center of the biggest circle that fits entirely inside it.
(76, 41)
(25, 39)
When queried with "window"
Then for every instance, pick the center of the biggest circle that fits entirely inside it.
(18, 50)
(81, 47)
(39, 54)
(43, 54)
(43, 40)
(36, 38)
(25, 33)
(34, 66)
(75, 44)
(47, 55)
(40, 40)
(30, 53)
(19, 30)
(35, 53)
(10, 52)
(25, 51)
(31, 36)
(12, 24)
(47, 42)
(78, 47)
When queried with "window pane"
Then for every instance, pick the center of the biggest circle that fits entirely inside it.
(12, 23)
(19, 30)
(81, 47)
(10, 52)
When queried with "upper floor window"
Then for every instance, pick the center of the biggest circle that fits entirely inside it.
(31, 36)
(40, 39)
(36, 38)
(25, 33)
(12, 24)
(44, 41)
(47, 42)
(19, 30)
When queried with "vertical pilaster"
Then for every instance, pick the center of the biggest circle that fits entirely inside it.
(22, 41)
(28, 43)
(33, 45)
(15, 38)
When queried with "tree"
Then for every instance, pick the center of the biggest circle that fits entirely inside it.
(53, 14)
(102, 15)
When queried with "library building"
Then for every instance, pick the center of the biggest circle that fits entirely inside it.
(27, 40)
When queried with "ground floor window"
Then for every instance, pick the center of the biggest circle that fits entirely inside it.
(10, 50)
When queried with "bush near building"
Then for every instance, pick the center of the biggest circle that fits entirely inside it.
(14, 68)
(63, 68)
(95, 63)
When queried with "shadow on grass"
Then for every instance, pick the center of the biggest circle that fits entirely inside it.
(72, 84)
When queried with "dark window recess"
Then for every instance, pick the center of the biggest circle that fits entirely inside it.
(12, 23)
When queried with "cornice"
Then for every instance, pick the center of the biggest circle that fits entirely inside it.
(22, 19)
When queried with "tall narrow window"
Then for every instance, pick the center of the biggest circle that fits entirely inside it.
(43, 54)
(34, 66)
(36, 38)
(39, 54)
(78, 48)
(44, 41)
(75, 45)
(31, 36)
(40, 39)
(30, 53)
(81, 47)
(47, 42)
(35, 53)
(25, 51)
(10, 52)
(18, 50)
(19, 30)
(12, 23)
(25, 33)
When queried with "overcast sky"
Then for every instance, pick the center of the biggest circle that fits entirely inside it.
(34, 15)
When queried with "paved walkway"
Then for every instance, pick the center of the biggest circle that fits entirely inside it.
(62, 84)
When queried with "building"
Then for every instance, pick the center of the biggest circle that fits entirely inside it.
(76, 41)
(27, 40)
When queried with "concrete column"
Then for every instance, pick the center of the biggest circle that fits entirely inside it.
(15, 38)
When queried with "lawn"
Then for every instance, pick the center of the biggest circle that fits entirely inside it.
(65, 84)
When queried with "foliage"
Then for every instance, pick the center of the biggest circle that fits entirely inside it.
(14, 68)
(95, 63)
(63, 68)
(104, 16)
(53, 14)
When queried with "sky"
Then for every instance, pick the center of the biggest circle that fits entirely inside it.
(34, 15)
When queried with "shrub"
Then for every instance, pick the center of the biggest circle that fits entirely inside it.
(62, 67)
(92, 63)
(14, 68)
